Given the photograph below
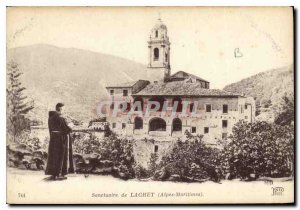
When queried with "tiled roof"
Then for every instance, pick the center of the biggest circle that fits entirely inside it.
(181, 88)
(126, 84)
(185, 75)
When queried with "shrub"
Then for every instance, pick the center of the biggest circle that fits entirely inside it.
(259, 148)
(192, 160)
(26, 153)
(94, 152)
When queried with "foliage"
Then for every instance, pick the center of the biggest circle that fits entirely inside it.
(95, 153)
(192, 160)
(26, 153)
(141, 172)
(258, 148)
(153, 166)
(17, 105)
(286, 116)
(85, 143)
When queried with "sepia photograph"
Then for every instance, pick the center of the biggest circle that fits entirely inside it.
(150, 105)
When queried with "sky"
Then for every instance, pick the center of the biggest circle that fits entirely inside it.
(203, 39)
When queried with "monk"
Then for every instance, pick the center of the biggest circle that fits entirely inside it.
(60, 157)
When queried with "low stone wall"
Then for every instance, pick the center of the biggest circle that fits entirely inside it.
(143, 148)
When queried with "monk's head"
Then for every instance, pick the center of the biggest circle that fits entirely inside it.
(59, 107)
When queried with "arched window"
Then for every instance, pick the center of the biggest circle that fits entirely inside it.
(138, 123)
(177, 125)
(156, 33)
(166, 57)
(156, 53)
(157, 124)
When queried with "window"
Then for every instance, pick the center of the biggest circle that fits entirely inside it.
(156, 53)
(156, 33)
(113, 125)
(156, 148)
(112, 105)
(208, 108)
(242, 109)
(166, 57)
(125, 92)
(193, 129)
(206, 129)
(191, 107)
(126, 106)
(177, 125)
(157, 124)
(138, 123)
(224, 135)
(246, 117)
(111, 92)
(224, 123)
(225, 108)
(123, 125)
(245, 106)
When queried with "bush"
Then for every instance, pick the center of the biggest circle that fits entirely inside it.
(260, 149)
(26, 153)
(192, 160)
(141, 172)
(93, 154)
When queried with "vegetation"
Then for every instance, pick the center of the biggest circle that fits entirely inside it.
(27, 153)
(190, 160)
(17, 105)
(259, 149)
(268, 88)
(286, 116)
(111, 155)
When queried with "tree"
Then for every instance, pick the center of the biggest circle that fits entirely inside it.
(153, 166)
(16, 103)
(259, 148)
(286, 116)
(192, 159)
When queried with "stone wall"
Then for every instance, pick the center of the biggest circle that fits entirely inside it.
(143, 148)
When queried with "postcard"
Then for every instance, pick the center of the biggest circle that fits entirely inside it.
(150, 105)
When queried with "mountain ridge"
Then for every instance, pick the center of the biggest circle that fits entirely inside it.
(74, 76)
(268, 88)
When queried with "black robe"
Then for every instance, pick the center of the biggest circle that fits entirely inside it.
(60, 154)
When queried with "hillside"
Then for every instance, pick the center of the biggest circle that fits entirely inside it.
(75, 77)
(268, 88)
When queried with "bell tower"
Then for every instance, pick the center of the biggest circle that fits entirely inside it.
(159, 52)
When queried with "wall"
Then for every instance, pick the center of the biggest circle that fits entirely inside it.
(212, 120)
(144, 148)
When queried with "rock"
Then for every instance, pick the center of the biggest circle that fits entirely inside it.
(23, 148)
(228, 176)
(78, 158)
(106, 163)
(106, 170)
(174, 178)
(162, 174)
(40, 154)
